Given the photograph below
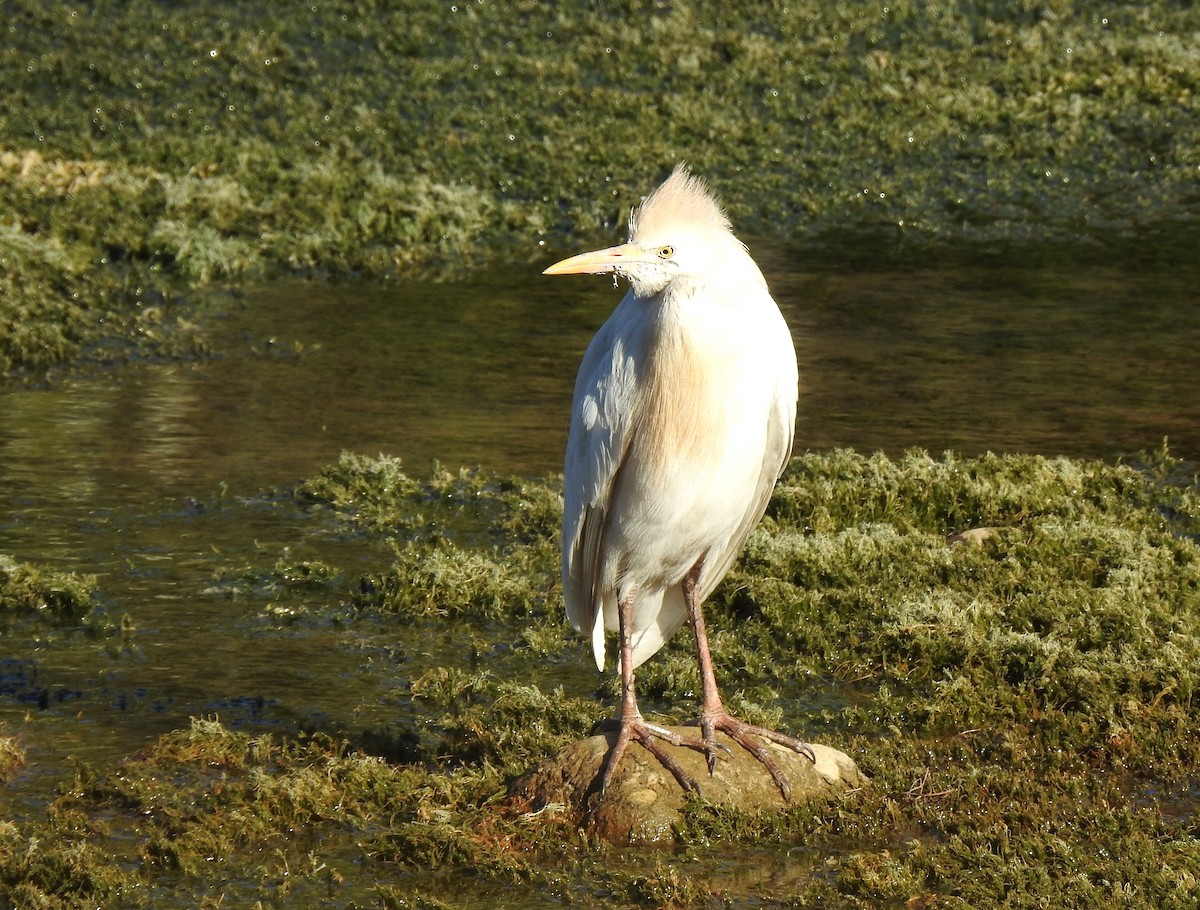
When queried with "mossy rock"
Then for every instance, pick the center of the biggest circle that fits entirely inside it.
(644, 803)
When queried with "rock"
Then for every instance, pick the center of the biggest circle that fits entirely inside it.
(971, 535)
(644, 801)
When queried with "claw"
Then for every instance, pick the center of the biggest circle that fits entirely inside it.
(740, 732)
(711, 755)
(647, 735)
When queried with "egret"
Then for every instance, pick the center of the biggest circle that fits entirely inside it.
(682, 421)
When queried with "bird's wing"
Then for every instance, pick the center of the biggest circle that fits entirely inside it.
(781, 428)
(600, 435)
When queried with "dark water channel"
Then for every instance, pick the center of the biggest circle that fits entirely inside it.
(129, 474)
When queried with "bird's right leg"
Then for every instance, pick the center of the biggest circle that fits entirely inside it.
(633, 726)
(714, 717)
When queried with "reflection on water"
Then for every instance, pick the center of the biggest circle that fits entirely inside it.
(119, 474)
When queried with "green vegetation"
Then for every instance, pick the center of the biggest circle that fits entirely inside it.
(12, 756)
(1024, 701)
(146, 148)
(60, 598)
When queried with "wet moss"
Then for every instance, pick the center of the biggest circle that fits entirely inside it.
(281, 576)
(151, 146)
(12, 755)
(307, 810)
(63, 872)
(464, 544)
(60, 598)
(500, 723)
(1072, 617)
(378, 496)
(447, 580)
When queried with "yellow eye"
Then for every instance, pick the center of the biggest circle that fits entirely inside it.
(666, 252)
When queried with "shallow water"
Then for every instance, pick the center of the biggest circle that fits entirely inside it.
(136, 475)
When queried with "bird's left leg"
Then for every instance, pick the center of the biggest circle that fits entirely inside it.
(633, 726)
(713, 715)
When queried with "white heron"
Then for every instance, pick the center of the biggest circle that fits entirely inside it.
(682, 421)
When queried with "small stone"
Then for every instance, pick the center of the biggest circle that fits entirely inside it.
(971, 535)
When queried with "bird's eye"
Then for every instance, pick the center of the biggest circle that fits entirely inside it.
(666, 252)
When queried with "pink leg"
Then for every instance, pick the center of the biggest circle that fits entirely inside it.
(713, 715)
(633, 726)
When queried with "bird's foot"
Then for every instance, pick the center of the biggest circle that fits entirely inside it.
(741, 732)
(650, 737)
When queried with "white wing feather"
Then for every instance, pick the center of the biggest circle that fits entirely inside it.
(602, 411)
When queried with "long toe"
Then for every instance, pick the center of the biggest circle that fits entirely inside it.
(651, 737)
(668, 761)
(742, 733)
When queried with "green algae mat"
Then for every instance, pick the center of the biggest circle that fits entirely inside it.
(1022, 697)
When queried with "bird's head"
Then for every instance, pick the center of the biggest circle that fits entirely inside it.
(680, 232)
